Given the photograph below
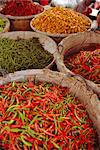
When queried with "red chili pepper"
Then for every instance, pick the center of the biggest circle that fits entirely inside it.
(86, 63)
(44, 2)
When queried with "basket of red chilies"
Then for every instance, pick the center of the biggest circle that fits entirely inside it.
(79, 55)
(45, 110)
(20, 13)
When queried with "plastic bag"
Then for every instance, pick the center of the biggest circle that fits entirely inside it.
(65, 3)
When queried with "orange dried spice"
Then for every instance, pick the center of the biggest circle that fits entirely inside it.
(61, 20)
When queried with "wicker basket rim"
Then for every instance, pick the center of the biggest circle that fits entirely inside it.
(95, 39)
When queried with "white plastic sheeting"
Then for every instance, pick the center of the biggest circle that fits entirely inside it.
(65, 3)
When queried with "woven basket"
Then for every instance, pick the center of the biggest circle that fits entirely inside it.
(77, 88)
(73, 44)
(57, 37)
(7, 24)
(47, 43)
(20, 23)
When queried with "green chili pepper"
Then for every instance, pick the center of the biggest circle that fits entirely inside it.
(11, 108)
(34, 134)
(55, 145)
(11, 121)
(16, 130)
(35, 118)
(22, 116)
(45, 147)
(2, 24)
(56, 127)
(82, 121)
(25, 142)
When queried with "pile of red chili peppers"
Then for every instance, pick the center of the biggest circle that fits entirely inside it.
(21, 8)
(85, 63)
(43, 116)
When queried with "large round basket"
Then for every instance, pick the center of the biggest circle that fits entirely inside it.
(47, 43)
(77, 88)
(20, 23)
(7, 24)
(57, 37)
(73, 44)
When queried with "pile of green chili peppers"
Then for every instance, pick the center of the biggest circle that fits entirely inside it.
(22, 54)
(2, 24)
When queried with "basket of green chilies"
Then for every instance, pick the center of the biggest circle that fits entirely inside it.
(4, 24)
(80, 54)
(44, 110)
(25, 50)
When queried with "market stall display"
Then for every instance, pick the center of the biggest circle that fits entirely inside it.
(42, 109)
(4, 24)
(39, 111)
(85, 63)
(60, 22)
(26, 50)
(20, 13)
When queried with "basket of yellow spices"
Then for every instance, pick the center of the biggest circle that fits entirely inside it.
(20, 13)
(45, 110)
(59, 22)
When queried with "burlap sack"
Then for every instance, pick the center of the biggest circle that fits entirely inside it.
(78, 88)
(74, 43)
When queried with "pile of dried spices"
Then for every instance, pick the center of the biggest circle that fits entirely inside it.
(21, 8)
(43, 116)
(22, 54)
(85, 63)
(61, 20)
(2, 24)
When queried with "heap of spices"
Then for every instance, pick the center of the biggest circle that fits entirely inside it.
(85, 63)
(61, 20)
(22, 54)
(21, 8)
(2, 24)
(43, 116)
